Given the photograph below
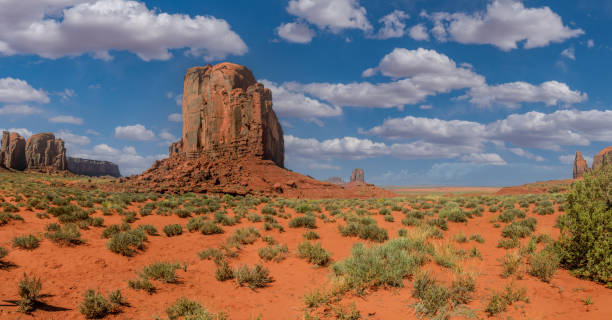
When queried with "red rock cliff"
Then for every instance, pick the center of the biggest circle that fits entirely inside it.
(43, 151)
(580, 166)
(227, 114)
(603, 157)
(12, 152)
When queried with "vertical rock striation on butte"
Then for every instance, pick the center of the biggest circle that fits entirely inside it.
(92, 168)
(228, 115)
(357, 176)
(602, 158)
(580, 166)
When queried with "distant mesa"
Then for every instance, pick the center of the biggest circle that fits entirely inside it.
(581, 167)
(44, 153)
(336, 180)
(232, 143)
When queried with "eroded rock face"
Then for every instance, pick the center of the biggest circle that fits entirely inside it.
(357, 176)
(603, 157)
(43, 151)
(227, 114)
(580, 166)
(335, 180)
(92, 168)
(12, 151)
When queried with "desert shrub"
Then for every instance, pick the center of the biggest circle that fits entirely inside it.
(162, 271)
(446, 255)
(129, 217)
(474, 253)
(191, 310)
(254, 217)
(585, 243)
(97, 222)
(500, 301)
(6, 217)
(28, 242)
(268, 210)
(544, 210)
(67, 234)
(96, 306)
(303, 221)
(276, 252)
(454, 214)
(3, 253)
(314, 253)
(148, 229)
(511, 263)
(460, 237)
(114, 229)
(365, 228)
(520, 228)
(315, 297)
(544, 264)
(269, 240)
(142, 284)
(386, 264)
(222, 218)
(195, 224)
(209, 227)
(310, 235)
(440, 223)
(478, 238)
(223, 271)
(433, 298)
(243, 236)
(256, 277)
(402, 232)
(29, 293)
(127, 243)
(462, 288)
(510, 243)
(389, 218)
(211, 253)
(511, 214)
(172, 230)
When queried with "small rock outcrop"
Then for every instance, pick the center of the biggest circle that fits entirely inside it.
(12, 151)
(357, 176)
(44, 152)
(580, 166)
(602, 158)
(92, 168)
(227, 114)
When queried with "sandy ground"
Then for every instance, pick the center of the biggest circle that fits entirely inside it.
(67, 272)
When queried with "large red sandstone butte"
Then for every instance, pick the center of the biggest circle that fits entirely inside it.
(580, 166)
(357, 176)
(232, 143)
(227, 114)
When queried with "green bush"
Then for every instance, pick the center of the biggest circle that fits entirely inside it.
(209, 227)
(224, 272)
(28, 242)
(520, 228)
(303, 221)
(314, 253)
(500, 301)
(67, 234)
(195, 224)
(385, 264)
(544, 264)
(142, 284)
(365, 228)
(454, 214)
(29, 292)
(243, 236)
(191, 310)
(510, 243)
(310, 235)
(585, 243)
(256, 277)
(162, 271)
(127, 243)
(433, 298)
(96, 306)
(273, 252)
(148, 229)
(172, 230)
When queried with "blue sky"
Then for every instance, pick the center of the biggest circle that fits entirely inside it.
(416, 92)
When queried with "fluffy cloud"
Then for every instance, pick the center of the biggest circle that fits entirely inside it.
(72, 139)
(549, 131)
(334, 15)
(134, 132)
(514, 93)
(393, 25)
(66, 119)
(167, 137)
(289, 103)
(16, 90)
(418, 74)
(57, 28)
(484, 158)
(345, 148)
(419, 32)
(297, 32)
(526, 154)
(504, 24)
(175, 117)
(128, 160)
(21, 109)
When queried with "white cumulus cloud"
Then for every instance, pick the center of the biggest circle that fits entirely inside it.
(296, 32)
(66, 119)
(16, 91)
(134, 132)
